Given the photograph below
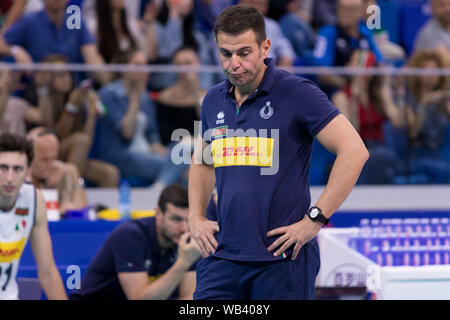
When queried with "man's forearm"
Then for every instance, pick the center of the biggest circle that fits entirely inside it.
(201, 185)
(162, 288)
(343, 177)
(129, 120)
(65, 125)
(5, 48)
(52, 285)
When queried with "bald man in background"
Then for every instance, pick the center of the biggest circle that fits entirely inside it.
(46, 172)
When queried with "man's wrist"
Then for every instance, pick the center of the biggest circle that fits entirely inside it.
(315, 214)
(14, 50)
(182, 264)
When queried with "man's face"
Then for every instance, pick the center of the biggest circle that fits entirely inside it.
(46, 150)
(173, 223)
(13, 171)
(241, 57)
(350, 12)
(441, 11)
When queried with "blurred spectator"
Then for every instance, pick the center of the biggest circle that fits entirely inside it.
(436, 33)
(45, 32)
(174, 24)
(151, 258)
(173, 21)
(297, 30)
(389, 50)
(367, 103)
(178, 106)
(277, 8)
(46, 172)
(116, 31)
(335, 44)
(205, 14)
(129, 134)
(324, 13)
(428, 110)
(280, 48)
(15, 113)
(17, 9)
(72, 113)
(133, 8)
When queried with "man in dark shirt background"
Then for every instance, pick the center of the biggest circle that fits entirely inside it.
(146, 259)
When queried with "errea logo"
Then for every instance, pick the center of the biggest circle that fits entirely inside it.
(220, 117)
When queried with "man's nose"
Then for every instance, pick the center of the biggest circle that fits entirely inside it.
(235, 61)
(184, 226)
(10, 175)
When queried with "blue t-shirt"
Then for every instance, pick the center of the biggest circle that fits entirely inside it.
(112, 144)
(40, 37)
(131, 247)
(262, 176)
(334, 47)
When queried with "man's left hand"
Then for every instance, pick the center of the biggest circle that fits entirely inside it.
(298, 234)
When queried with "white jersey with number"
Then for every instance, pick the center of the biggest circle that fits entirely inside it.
(15, 228)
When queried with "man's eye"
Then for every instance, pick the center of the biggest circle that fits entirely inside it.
(226, 54)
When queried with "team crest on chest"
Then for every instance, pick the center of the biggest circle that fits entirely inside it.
(267, 111)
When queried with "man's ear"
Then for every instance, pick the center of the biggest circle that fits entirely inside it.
(265, 47)
(158, 212)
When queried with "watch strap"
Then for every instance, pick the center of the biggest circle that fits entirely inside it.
(320, 217)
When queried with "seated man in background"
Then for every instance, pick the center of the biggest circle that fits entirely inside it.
(22, 216)
(46, 172)
(146, 259)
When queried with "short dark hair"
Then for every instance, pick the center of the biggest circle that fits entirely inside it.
(17, 143)
(175, 194)
(238, 19)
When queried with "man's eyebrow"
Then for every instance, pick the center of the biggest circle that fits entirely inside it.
(238, 50)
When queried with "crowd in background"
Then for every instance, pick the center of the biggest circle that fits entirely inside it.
(100, 127)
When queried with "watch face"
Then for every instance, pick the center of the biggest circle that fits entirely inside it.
(314, 213)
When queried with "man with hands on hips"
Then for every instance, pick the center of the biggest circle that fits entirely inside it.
(262, 118)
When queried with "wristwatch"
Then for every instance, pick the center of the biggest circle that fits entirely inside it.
(315, 214)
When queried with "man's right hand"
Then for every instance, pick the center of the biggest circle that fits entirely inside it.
(202, 231)
(188, 250)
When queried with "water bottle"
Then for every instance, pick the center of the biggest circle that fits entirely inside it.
(124, 200)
